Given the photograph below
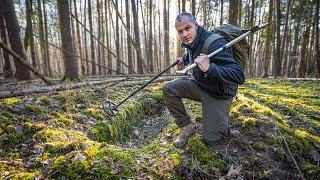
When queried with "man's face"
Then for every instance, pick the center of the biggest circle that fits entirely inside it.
(186, 30)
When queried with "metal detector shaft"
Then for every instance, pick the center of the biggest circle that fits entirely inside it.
(231, 43)
(147, 83)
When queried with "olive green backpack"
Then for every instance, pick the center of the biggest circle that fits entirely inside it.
(229, 32)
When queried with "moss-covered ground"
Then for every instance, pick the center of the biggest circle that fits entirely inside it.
(68, 135)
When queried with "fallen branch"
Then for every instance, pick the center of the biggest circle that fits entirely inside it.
(23, 61)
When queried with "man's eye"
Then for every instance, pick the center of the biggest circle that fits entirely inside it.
(187, 29)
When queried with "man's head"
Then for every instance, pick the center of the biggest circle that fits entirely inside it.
(186, 26)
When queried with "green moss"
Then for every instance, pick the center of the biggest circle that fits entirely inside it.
(45, 100)
(305, 166)
(93, 112)
(36, 109)
(10, 101)
(260, 145)
(1, 131)
(25, 176)
(62, 119)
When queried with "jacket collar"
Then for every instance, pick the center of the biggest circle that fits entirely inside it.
(194, 45)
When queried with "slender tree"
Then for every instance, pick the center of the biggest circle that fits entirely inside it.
(137, 36)
(13, 30)
(129, 48)
(277, 60)
(166, 32)
(316, 49)
(150, 38)
(46, 37)
(66, 39)
(29, 33)
(7, 68)
(303, 57)
(193, 7)
(233, 12)
(221, 12)
(82, 64)
(117, 38)
(267, 53)
(93, 59)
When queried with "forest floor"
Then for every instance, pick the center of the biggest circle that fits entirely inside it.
(67, 135)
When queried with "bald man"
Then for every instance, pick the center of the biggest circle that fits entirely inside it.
(214, 83)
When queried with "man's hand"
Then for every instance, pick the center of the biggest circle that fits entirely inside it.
(203, 62)
(180, 63)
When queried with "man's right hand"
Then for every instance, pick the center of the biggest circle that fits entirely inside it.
(180, 63)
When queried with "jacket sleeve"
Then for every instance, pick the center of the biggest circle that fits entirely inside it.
(223, 66)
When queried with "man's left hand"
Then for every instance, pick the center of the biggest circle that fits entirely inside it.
(203, 62)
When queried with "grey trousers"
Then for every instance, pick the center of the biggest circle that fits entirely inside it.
(215, 112)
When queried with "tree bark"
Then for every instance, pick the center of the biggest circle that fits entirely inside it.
(151, 68)
(15, 39)
(137, 36)
(128, 38)
(316, 38)
(221, 12)
(93, 59)
(166, 33)
(183, 3)
(7, 68)
(303, 58)
(285, 36)
(267, 54)
(233, 12)
(193, 7)
(251, 65)
(30, 33)
(66, 39)
(277, 60)
(46, 35)
(117, 39)
(82, 63)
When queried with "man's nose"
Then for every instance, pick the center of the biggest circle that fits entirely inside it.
(185, 33)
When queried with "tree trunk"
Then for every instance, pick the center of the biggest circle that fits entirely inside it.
(128, 38)
(233, 12)
(166, 33)
(66, 39)
(277, 60)
(107, 36)
(46, 35)
(183, 3)
(137, 36)
(239, 13)
(93, 59)
(117, 39)
(150, 38)
(82, 65)
(99, 37)
(221, 12)
(251, 23)
(267, 54)
(316, 49)
(87, 66)
(303, 58)
(285, 36)
(41, 34)
(30, 33)
(7, 68)
(193, 7)
(15, 39)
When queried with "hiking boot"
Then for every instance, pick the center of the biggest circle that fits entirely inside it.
(186, 132)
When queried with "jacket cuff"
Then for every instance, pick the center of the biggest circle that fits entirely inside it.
(212, 71)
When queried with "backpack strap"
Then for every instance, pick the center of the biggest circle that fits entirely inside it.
(209, 41)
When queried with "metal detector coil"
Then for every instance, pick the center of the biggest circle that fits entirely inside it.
(110, 108)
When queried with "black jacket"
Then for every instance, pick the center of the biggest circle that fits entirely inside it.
(224, 74)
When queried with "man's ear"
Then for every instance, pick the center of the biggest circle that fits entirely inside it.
(196, 23)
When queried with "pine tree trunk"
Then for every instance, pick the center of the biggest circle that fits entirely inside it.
(117, 39)
(221, 12)
(193, 7)
(303, 58)
(316, 49)
(41, 36)
(13, 30)
(7, 68)
(137, 36)
(82, 65)
(277, 60)
(267, 54)
(92, 49)
(166, 33)
(285, 36)
(183, 3)
(107, 36)
(251, 65)
(66, 39)
(233, 12)
(46, 35)
(128, 38)
(87, 66)
(99, 37)
(239, 12)
(150, 38)
(30, 33)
